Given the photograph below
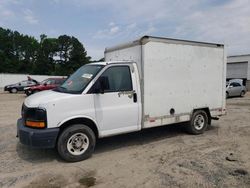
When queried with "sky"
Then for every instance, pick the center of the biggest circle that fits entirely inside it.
(104, 23)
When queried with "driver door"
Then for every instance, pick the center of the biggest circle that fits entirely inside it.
(117, 109)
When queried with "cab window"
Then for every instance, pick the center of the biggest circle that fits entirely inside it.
(117, 78)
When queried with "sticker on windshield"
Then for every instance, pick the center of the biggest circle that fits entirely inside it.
(88, 76)
(69, 82)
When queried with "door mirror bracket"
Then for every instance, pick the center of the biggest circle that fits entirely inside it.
(101, 85)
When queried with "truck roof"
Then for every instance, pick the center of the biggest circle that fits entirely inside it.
(110, 62)
(145, 39)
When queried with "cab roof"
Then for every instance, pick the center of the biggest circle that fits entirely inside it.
(110, 62)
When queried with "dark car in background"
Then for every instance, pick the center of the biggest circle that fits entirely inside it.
(14, 88)
(47, 84)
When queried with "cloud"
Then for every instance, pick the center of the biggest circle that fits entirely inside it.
(6, 14)
(224, 21)
(29, 17)
(227, 23)
(114, 30)
(131, 26)
(150, 29)
(110, 31)
(113, 22)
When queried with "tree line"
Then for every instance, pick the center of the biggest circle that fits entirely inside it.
(50, 56)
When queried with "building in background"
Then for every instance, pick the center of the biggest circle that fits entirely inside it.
(238, 66)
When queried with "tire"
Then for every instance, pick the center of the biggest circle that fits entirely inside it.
(198, 123)
(13, 90)
(227, 95)
(242, 93)
(76, 143)
(27, 93)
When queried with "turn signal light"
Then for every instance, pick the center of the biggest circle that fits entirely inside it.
(37, 124)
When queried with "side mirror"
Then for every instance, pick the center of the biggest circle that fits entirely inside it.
(101, 85)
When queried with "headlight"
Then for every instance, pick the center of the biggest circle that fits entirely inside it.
(26, 88)
(34, 117)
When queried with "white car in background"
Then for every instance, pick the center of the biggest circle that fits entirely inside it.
(235, 87)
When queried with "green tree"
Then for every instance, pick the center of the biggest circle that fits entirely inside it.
(53, 56)
(72, 55)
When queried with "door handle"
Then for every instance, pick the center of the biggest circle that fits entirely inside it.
(135, 97)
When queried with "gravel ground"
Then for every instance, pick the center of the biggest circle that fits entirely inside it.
(159, 157)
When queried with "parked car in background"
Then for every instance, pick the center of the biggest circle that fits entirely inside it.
(47, 84)
(14, 88)
(235, 88)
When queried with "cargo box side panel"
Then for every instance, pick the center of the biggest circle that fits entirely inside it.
(182, 78)
(126, 54)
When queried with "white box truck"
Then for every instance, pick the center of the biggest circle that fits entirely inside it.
(146, 83)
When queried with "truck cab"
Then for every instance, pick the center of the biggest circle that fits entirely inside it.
(98, 100)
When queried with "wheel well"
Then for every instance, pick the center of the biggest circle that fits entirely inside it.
(207, 112)
(84, 121)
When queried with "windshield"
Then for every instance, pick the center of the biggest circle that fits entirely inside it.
(45, 81)
(79, 80)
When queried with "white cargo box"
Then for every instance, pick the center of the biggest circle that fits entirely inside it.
(177, 76)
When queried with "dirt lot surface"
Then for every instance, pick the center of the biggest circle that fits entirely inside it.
(159, 157)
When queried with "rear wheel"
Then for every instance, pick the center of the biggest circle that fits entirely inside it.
(227, 94)
(198, 123)
(13, 90)
(76, 143)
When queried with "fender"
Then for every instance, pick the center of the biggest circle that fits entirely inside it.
(75, 117)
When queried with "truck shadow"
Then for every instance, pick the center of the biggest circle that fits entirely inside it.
(108, 144)
(36, 155)
(142, 137)
(145, 136)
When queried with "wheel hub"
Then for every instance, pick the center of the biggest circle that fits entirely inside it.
(78, 143)
(199, 122)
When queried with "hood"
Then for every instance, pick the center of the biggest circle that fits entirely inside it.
(36, 86)
(44, 97)
(10, 85)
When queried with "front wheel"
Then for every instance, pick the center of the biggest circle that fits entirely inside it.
(242, 93)
(27, 92)
(76, 143)
(198, 123)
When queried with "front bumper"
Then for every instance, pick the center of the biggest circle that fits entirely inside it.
(37, 138)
